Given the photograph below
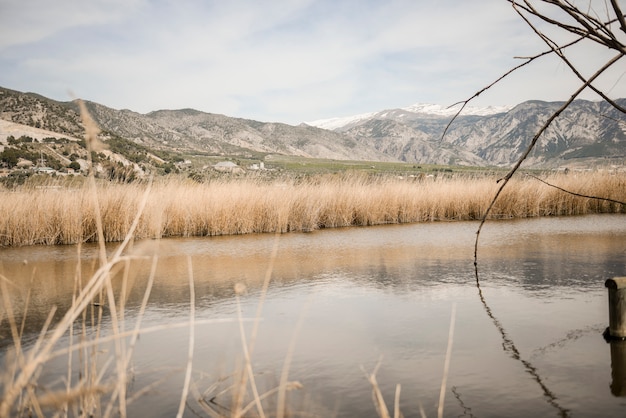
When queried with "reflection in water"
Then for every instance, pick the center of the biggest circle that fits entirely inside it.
(509, 347)
(467, 411)
(507, 343)
(369, 292)
(618, 367)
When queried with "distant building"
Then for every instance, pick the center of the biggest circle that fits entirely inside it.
(45, 170)
(257, 166)
(67, 170)
(183, 164)
(228, 167)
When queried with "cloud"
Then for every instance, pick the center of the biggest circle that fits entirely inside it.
(30, 21)
(283, 60)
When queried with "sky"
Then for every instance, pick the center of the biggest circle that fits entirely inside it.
(289, 61)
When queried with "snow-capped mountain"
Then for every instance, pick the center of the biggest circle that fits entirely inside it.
(409, 112)
(438, 110)
(585, 131)
(340, 122)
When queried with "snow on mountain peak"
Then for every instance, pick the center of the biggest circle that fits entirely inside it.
(419, 108)
(434, 109)
(334, 123)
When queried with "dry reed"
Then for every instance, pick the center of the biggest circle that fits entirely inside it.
(183, 208)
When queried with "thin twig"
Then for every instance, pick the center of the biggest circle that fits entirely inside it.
(377, 396)
(446, 364)
(606, 199)
(249, 349)
(559, 52)
(396, 403)
(148, 330)
(619, 14)
(530, 147)
(282, 386)
(248, 369)
(192, 316)
(527, 61)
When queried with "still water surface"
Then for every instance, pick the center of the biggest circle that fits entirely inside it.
(527, 340)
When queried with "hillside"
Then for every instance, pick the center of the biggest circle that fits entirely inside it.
(588, 133)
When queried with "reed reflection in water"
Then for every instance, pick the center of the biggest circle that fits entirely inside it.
(527, 341)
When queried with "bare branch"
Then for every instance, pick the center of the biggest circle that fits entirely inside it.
(529, 8)
(590, 27)
(559, 52)
(590, 24)
(619, 14)
(502, 77)
(606, 199)
(533, 142)
(465, 102)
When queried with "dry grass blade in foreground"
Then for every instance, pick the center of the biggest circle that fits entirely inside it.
(28, 364)
(40, 353)
(377, 396)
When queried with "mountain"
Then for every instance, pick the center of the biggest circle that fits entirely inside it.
(185, 130)
(587, 133)
(410, 112)
(195, 131)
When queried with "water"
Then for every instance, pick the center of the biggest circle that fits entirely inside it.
(527, 341)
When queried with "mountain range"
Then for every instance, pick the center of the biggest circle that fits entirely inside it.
(587, 133)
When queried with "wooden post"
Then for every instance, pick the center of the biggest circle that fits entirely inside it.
(617, 307)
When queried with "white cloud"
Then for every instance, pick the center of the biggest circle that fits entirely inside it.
(26, 21)
(281, 60)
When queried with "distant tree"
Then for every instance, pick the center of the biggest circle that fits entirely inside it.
(53, 162)
(16, 178)
(168, 167)
(74, 165)
(9, 156)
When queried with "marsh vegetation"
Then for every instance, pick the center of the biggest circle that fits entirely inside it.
(49, 214)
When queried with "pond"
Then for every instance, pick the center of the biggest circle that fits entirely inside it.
(342, 304)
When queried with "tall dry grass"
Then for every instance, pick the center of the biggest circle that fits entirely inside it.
(185, 208)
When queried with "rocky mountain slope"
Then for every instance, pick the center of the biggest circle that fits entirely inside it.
(186, 130)
(586, 133)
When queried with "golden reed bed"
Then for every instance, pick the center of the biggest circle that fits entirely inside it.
(183, 208)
